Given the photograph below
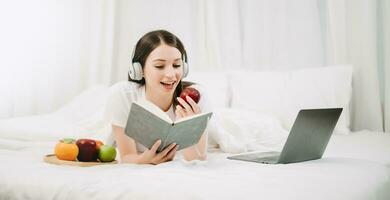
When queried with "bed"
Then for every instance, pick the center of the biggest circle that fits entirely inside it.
(356, 165)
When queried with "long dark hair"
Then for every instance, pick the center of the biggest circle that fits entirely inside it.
(148, 43)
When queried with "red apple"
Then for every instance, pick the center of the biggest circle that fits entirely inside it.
(192, 92)
(87, 150)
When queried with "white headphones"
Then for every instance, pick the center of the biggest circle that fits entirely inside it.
(136, 72)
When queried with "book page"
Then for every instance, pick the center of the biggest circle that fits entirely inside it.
(154, 109)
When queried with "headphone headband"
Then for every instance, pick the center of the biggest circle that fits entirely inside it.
(136, 71)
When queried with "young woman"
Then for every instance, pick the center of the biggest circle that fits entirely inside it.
(158, 66)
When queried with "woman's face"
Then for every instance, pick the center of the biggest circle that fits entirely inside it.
(163, 70)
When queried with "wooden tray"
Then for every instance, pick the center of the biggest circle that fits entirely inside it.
(52, 159)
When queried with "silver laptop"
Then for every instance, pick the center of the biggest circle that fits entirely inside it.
(307, 140)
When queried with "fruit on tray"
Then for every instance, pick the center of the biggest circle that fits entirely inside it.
(87, 150)
(98, 144)
(107, 153)
(66, 149)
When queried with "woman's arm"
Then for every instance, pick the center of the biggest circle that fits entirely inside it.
(199, 150)
(128, 150)
(126, 145)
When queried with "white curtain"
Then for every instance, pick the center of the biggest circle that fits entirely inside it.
(352, 38)
(134, 18)
(281, 34)
(264, 34)
(51, 51)
(223, 34)
(56, 49)
(385, 28)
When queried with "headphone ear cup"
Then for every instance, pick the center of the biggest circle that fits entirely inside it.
(131, 71)
(185, 69)
(135, 71)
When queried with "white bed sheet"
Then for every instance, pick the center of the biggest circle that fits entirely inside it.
(366, 145)
(354, 167)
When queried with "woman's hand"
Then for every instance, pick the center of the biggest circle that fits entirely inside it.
(152, 157)
(188, 109)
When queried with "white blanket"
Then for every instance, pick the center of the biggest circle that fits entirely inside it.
(355, 166)
(351, 169)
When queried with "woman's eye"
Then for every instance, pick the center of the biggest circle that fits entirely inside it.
(159, 66)
(176, 66)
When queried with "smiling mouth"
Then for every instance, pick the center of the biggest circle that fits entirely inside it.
(171, 84)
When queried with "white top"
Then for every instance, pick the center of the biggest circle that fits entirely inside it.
(121, 97)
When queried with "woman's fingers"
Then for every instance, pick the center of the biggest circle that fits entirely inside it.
(193, 104)
(179, 112)
(151, 156)
(148, 155)
(186, 106)
(155, 146)
(162, 154)
(171, 154)
(191, 107)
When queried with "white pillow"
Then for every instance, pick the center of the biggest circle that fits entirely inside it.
(284, 92)
(240, 130)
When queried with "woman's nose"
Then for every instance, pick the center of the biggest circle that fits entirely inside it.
(170, 71)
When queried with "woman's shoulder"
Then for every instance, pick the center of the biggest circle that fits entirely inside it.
(122, 94)
(126, 90)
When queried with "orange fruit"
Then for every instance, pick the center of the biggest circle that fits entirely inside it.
(66, 149)
(98, 144)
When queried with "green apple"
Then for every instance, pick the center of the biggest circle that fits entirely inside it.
(107, 153)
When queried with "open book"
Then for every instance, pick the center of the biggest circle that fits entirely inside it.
(147, 123)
